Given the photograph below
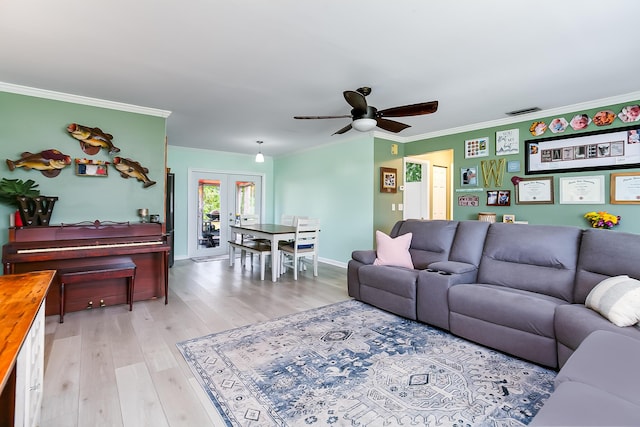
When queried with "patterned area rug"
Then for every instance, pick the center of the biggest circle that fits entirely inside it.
(352, 364)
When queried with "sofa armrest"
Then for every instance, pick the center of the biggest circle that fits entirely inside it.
(452, 267)
(432, 303)
(365, 256)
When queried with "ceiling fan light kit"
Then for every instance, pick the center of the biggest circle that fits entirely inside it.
(366, 117)
(364, 125)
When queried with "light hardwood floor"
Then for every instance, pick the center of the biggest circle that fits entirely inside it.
(111, 367)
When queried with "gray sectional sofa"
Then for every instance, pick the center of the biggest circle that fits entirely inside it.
(518, 288)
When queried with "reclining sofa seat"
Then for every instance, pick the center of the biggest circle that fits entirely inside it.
(525, 273)
(394, 288)
(603, 254)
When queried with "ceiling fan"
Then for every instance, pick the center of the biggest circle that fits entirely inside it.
(366, 117)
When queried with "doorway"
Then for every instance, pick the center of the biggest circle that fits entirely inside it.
(428, 186)
(216, 200)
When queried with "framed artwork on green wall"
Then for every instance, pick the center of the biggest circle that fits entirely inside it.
(388, 180)
(478, 147)
(469, 176)
(617, 148)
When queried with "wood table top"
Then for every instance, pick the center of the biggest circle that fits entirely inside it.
(21, 296)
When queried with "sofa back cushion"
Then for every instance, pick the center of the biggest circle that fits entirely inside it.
(536, 258)
(431, 240)
(469, 242)
(605, 253)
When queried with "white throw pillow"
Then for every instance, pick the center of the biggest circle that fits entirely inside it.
(390, 251)
(618, 299)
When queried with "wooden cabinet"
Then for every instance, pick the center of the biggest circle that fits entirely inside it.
(22, 309)
(30, 375)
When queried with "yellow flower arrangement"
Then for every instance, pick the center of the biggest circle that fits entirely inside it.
(602, 219)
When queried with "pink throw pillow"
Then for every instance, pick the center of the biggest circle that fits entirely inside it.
(390, 251)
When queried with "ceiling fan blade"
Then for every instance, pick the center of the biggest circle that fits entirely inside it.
(410, 110)
(391, 125)
(343, 130)
(323, 117)
(355, 99)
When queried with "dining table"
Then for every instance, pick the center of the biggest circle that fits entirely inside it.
(274, 233)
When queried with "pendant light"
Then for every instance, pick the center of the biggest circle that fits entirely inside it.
(259, 156)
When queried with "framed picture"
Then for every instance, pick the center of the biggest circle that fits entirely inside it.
(469, 176)
(509, 218)
(86, 167)
(388, 180)
(468, 200)
(504, 197)
(625, 188)
(579, 190)
(513, 166)
(499, 198)
(492, 198)
(599, 150)
(535, 191)
(507, 142)
(476, 148)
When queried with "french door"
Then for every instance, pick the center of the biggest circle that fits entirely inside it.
(216, 200)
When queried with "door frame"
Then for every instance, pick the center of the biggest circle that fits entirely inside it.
(192, 216)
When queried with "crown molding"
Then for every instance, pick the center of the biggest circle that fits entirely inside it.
(83, 100)
(598, 103)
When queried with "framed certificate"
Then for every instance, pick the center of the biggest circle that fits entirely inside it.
(625, 188)
(582, 190)
(535, 191)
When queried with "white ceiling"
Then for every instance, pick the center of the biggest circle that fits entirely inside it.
(233, 72)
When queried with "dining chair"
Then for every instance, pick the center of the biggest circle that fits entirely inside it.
(288, 220)
(251, 219)
(304, 245)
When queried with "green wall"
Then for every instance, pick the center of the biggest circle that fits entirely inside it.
(384, 217)
(561, 214)
(35, 124)
(333, 183)
(181, 160)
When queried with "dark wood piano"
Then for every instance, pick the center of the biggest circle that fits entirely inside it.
(72, 246)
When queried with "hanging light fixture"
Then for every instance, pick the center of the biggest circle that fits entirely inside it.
(259, 156)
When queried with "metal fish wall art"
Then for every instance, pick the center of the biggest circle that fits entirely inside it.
(130, 168)
(92, 139)
(49, 162)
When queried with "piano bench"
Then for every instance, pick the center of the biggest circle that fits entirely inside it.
(122, 267)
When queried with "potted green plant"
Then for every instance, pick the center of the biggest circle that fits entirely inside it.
(12, 189)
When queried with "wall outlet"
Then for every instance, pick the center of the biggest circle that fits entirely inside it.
(393, 206)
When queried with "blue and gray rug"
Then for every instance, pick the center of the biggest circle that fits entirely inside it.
(352, 364)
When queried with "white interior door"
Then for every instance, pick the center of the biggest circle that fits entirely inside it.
(215, 201)
(439, 192)
(415, 197)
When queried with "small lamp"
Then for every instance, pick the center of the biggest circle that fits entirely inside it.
(364, 125)
(259, 156)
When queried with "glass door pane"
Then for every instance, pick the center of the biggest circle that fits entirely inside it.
(216, 200)
(208, 213)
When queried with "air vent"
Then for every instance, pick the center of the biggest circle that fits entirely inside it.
(523, 111)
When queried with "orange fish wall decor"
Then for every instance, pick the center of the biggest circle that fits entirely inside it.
(49, 162)
(92, 139)
(131, 168)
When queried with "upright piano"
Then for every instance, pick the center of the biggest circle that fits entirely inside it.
(72, 246)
